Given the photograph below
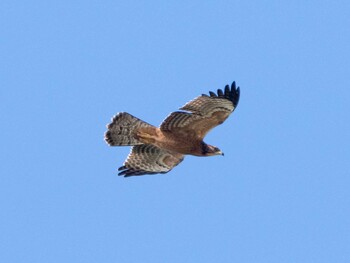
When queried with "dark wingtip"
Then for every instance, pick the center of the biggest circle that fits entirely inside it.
(127, 172)
(212, 94)
(232, 94)
(233, 85)
(220, 93)
(236, 92)
(122, 170)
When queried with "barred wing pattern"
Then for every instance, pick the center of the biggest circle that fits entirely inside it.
(203, 113)
(149, 159)
(223, 101)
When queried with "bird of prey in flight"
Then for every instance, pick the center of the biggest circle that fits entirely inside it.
(160, 149)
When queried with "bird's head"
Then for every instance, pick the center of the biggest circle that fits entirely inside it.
(210, 150)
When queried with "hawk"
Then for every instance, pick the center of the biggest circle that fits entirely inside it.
(158, 150)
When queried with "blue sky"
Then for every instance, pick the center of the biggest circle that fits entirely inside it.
(280, 193)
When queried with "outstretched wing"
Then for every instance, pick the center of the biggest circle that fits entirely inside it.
(149, 159)
(203, 113)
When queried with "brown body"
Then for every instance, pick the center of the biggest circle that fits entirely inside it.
(169, 141)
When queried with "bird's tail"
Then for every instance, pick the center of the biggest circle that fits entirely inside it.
(121, 131)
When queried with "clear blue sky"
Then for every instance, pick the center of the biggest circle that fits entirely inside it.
(281, 192)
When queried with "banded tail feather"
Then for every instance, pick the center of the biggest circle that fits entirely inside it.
(121, 131)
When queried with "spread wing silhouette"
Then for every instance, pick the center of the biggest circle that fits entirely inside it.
(203, 113)
(149, 159)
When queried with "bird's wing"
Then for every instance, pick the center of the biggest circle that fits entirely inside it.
(149, 159)
(203, 113)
